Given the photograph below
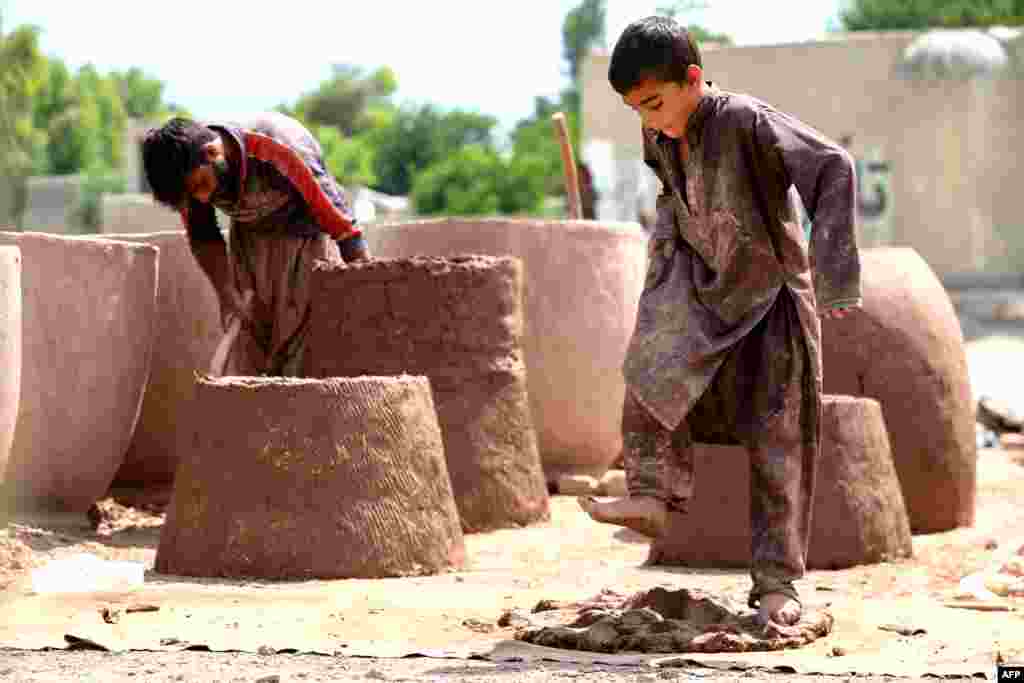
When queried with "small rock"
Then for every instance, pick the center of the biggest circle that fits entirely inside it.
(838, 651)
(577, 485)
(111, 615)
(613, 483)
(546, 605)
(375, 675)
(991, 544)
(266, 650)
(479, 626)
(514, 618)
(272, 678)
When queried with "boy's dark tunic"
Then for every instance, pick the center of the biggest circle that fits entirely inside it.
(727, 341)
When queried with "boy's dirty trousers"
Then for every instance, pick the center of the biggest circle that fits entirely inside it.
(660, 462)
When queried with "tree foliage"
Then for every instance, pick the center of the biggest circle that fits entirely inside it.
(420, 136)
(346, 99)
(20, 143)
(141, 95)
(680, 8)
(534, 138)
(582, 30)
(882, 15)
(350, 160)
(476, 180)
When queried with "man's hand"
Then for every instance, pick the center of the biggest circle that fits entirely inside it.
(234, 305)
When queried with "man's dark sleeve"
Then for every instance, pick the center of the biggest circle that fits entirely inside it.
(200, 221)
(823, 173)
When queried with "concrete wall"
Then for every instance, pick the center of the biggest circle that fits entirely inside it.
(137, 213)
(937, 159)
(51, 204)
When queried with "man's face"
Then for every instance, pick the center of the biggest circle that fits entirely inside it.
(203, 182)
(663, 106)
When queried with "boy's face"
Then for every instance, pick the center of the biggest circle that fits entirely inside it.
(666, 106)
(202, 182)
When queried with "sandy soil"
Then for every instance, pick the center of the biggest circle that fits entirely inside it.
(569, 558)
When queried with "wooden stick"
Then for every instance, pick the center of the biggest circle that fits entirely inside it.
(220, 354)
(572, 181)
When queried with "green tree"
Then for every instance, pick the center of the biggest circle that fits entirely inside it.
(350, 160)
(420, 136)
(346, 98)
(102, 92)
(679, 9)
(534, 138)
(20, 77)
(141, 96)
(477, 181)
(582, 30)
(883, 15)
(84, 118)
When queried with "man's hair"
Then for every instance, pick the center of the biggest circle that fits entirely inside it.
(652, 48)
(170, 153)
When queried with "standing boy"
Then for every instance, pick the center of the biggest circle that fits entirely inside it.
(727, 341)
(268, 175)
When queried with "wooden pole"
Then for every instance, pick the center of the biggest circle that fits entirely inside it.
(572, 181)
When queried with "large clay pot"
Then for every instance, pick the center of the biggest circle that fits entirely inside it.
(458, 322)
(905, 349)
(10, 348)
(582, 283)
(188, 329)
(858, 515)
(89, 311)
(300, 478)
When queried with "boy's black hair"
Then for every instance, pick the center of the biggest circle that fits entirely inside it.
(170, 153)
(654, 47)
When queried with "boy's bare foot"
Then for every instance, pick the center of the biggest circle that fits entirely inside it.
(643, 514)
(780, 608)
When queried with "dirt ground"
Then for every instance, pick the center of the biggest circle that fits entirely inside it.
(569, 558)
(372, 630)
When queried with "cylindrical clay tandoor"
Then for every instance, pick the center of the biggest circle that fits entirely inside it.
(10, 348)
(905, 349)
(459, 322)
(88, 321)
(301, 478)
(188, 328)
(581, 284)
(858, 516)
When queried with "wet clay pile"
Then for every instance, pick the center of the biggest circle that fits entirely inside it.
(668, 621)
(459, 322)
(858, 516)
(303, 479)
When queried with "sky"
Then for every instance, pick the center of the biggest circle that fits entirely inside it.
(223, 58)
